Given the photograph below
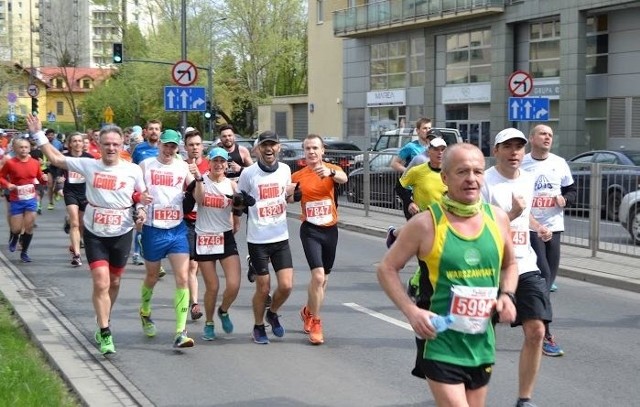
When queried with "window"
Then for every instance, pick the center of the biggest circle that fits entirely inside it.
(469, 57)
(86, 84)
(417, 62)
(59, 108)
(320, 11)
(544, 49)
(597, 44)
(388, 65)
(58, 83)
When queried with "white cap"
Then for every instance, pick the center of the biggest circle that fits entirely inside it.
(188, 129)
(508, 134)
(437, 142)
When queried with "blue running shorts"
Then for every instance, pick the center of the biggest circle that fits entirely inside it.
(159, 243)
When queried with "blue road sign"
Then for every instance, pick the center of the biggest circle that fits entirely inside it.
(182, 98)
(12, 117)
(528, 109)
(51, 117)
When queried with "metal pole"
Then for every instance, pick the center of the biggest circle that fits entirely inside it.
(183, 23)
(210, 82)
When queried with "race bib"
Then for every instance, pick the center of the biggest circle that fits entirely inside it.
(472, 308)
(75, 178)
(271, 211)
(520, 237)
(108, 222)
(166, 216)
(319, 212)
(26, 192)
(543, 202)
(211, 243)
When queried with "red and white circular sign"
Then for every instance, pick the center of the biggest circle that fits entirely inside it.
(520, 83)
(184, 73)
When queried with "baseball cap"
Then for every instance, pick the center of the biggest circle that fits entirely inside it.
(434, 133)
(136, 130)
(218, 152)
(170, 136)
(189, 129)
(268, 136)
(437, 142)
(508, 134)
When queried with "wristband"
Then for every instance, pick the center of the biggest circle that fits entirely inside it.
(40, 138)
(511, 296)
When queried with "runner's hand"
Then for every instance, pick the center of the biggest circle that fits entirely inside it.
(33, 124)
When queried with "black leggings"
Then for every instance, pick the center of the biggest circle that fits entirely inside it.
(548, 255)
(319, 244)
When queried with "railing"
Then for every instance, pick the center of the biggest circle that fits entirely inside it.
(593, 222)
(387, 12)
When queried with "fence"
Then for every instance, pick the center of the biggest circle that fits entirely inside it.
(593, 222)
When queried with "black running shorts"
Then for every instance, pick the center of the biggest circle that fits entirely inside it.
(319, 244)
(278, 253)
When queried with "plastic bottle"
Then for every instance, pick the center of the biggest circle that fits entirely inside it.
(440, 323)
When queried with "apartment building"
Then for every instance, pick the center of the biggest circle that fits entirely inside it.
(452, 60)
(19, 36)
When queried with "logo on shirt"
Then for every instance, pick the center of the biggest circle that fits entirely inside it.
(163, 178)
(105, 181)
(268, 191)
(472, 257)
(214, 201)
(542, 183)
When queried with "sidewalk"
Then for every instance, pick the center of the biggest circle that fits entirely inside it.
(611, 270)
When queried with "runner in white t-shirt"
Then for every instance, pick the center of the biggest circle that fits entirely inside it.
(554, 190)
(269, 183)
(108, 219)
(511, 189)
(164, 233)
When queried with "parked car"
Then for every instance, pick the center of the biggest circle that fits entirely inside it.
(620, 176)
(337, 152)
(630, 215)
(382, 180)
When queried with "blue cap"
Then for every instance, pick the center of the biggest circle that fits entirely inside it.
(218, 152)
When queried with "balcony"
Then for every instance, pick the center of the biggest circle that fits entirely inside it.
(396, 15)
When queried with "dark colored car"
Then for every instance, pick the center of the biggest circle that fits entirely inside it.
(382, 181)
(620, 175)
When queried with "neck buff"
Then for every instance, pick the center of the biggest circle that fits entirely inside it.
(268, 168)
(459, 208)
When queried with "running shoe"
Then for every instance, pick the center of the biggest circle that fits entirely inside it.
(268, 301)
(209, 332)
(521, 403)
(391, 237)
(51, 206)
(553, 288)
(195, 311)
(259, 335)
(551, 348)
(148, 326)
(76, 261)
(227, 325)
(305, 316)
(137, 260)
(161, 272)
(97, 335)
(251, 272)
(274, 321)
(13, 243)
(24, 257)
(315, 333)
(106, 344)
(183, 341)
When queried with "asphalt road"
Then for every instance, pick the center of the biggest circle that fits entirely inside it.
(368, 349)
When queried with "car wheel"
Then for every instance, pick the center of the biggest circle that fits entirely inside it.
(634, 224)
(614, 198)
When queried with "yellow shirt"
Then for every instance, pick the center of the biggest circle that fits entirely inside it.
(426, 183)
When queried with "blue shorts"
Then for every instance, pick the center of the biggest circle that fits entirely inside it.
(20, 207)
(159, 243)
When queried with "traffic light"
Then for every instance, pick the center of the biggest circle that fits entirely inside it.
(208, 114)
(34, 105)
(118, 57)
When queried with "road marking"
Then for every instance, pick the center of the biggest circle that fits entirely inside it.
(378, 315)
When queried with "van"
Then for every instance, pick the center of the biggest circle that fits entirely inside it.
(399, 137)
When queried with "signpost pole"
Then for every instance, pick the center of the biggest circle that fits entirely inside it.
(183, 23)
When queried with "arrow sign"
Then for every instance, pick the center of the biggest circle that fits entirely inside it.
(184, 99)
(520, 83)
(528, 109)
(184, 73)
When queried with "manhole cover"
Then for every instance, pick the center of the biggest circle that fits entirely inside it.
(51, 292)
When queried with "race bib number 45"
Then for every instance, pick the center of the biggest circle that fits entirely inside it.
(519, 237)
(472, 308)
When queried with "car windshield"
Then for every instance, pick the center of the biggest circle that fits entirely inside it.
(634, 157)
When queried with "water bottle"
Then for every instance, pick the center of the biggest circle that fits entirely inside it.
(440, 323)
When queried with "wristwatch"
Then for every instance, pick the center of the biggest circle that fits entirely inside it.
(200, 179)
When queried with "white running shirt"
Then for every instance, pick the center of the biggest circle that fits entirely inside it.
(214, 213)
(165, 183)
(267, 219)
(550, 175)
(109, 192)
(498, 190)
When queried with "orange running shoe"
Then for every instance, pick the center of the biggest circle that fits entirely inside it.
(315, 335)
(305, 316)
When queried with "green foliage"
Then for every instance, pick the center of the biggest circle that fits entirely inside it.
(25, 378)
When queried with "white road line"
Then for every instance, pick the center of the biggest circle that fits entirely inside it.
(378, 315)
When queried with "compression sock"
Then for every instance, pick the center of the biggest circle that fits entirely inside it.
(26, 241)
(147, 293)
(181, 303)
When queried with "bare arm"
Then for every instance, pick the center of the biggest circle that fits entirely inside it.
(509, 271)
(396, 164)
(53, 154)
(246, 156)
